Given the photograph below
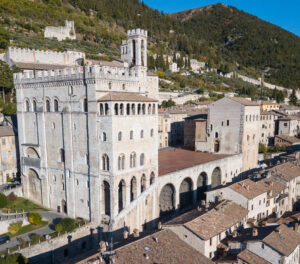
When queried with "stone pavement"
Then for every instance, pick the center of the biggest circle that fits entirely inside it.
(53, 219)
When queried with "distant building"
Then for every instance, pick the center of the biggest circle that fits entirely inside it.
(269, 106)
(288, 125)
(61, 33)
(173, 67)
(267, 127)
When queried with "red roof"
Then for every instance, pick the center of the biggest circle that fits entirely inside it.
(171, 160)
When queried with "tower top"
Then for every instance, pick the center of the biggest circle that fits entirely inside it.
(137, 31)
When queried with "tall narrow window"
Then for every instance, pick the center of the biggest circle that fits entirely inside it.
(121, 162)
(105, 162)
(131, 134)
(55, 105)
(103, 136)
(85, 105)
(132, 160)
(27, 106)
(62, 155)
(34, 107)
(120, 136)
(106, 109)
(48, 105)
(142, 159)
(152, 132)
(142, 133)
(101, 109)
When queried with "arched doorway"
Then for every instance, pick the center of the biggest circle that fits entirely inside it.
(152, 178)
(121, 196)
(217, 146)
(216, 178)
(34, 186)
(186, 193)
(106, 192)
(201, 186)
(133, 189)
(166, 199)
(64, 206)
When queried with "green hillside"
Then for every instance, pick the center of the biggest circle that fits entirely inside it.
(225, 37)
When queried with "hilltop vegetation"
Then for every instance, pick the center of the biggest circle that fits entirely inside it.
(223, 36)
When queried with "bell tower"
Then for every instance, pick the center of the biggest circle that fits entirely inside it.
(134, 49)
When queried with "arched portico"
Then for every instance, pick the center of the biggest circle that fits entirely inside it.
(167, 199)
(34, 191)
(186, 193)
(201, 186)
(216, 178)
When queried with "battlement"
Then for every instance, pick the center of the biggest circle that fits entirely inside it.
(94, 71)
(137, 31)
(20, 51)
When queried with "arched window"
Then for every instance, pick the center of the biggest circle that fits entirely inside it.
(34, 107)
(133, 109)
(139, 109)
(132, 160)
(105, 162)
(55, 105)
(216, 135)
(101, 109)
(109, 85)
(106, 109)
(143, 183)
(144, 109)
(153, 109)
(120, 136)
(121, 109)
(116, 109)
(142, 133)
(152, 178)
(48, 105)
(103, 136)
(142, 159)
(121, 162)
(85, 105)
(128, 109)
(149, 109)
(62, 155)
(152, 132)
(27, 106)
(131, 134)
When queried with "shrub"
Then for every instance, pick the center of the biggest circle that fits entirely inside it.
(262, 148)
(35, 218)
(14, 259)
(12, 197)
(35, 238)
(59, 228)
(22, 242)
(14, 228)
(68, 224)
(3, 201)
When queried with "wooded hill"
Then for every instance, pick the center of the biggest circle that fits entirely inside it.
(224, 36)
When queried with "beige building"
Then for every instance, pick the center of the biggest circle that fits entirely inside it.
(267, 127)
(164, 129)
(9, 166)
(233, 127)
(269, 106)
(289, 125)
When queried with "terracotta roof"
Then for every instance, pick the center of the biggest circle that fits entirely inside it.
(169, 248)
(6, 131)
(286, 171)
(127, 97)
(217, 220)
(250, 258)
(289, 139)
(283, 239)
(268, 103)
(38, 66)
(243, 101)
(174, 159)
(248, 188)
(272, 185)
(289, 118)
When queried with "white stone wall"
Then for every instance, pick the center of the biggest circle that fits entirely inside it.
(4, 224)
(289, 127)
(61, 33)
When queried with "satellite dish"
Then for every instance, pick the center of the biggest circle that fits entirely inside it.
(147, 248)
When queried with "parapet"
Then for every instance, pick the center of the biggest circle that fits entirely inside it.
(93, 71)
(16, 50)
(137, 31)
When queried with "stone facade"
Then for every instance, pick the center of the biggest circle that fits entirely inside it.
(61, 33)
(267, 127)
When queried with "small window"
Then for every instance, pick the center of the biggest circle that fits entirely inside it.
(227, 122)
(34, 107)
(48, 108)
(142, 159)
(216, 135)
(103, 136)
(109, 85)
(131, 134)
(152, 132)
(142, 133)
(55, 105)
(27, 106)
(61, 155)
(120, 136)
(262, 245)
(123, 86)
(85, 105)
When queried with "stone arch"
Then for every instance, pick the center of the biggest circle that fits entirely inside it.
(34, 186)
(64, 206)
(186, 193)
(216, 146)
(133, 189)
(121, 195)
(27, 107)
(216, 178)
(32, 153)
(128, 109)
(143, 183)
(167, 199)
(116, 109)
(201, 185)
(106, 197)
(55, 105)
(34, 105)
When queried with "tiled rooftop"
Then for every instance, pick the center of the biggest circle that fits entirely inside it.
(248, 188)
(6, 131)
(250, 258)
(169, 248)
(286, 171)
(243, 101)
(175, 159)
(283, 239)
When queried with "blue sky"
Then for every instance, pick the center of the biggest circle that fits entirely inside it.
(284, 13)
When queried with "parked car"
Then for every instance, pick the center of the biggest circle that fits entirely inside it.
(4, 239)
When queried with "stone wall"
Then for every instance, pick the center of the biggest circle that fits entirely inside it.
(4, 224)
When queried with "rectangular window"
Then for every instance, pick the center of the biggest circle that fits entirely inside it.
(227, 122)
(210, 241)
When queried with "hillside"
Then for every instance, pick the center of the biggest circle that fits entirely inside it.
(225, 37)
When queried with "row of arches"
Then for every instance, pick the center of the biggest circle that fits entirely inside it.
(121, 195)
(188, 193)
(128, 109)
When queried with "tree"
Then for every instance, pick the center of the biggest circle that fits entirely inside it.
(35, 218)
(262, 148)
(169, 103)
(68, 224)
(3, 201)
(14, 228)
(14, 259)
(293, 98)
(58, 228)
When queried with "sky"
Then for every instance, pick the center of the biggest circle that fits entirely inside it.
(283, 13)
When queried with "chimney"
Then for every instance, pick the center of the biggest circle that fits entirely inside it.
(136, 233)
(146, 256)
(125, 234)
(234, 233)
(254, 232)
